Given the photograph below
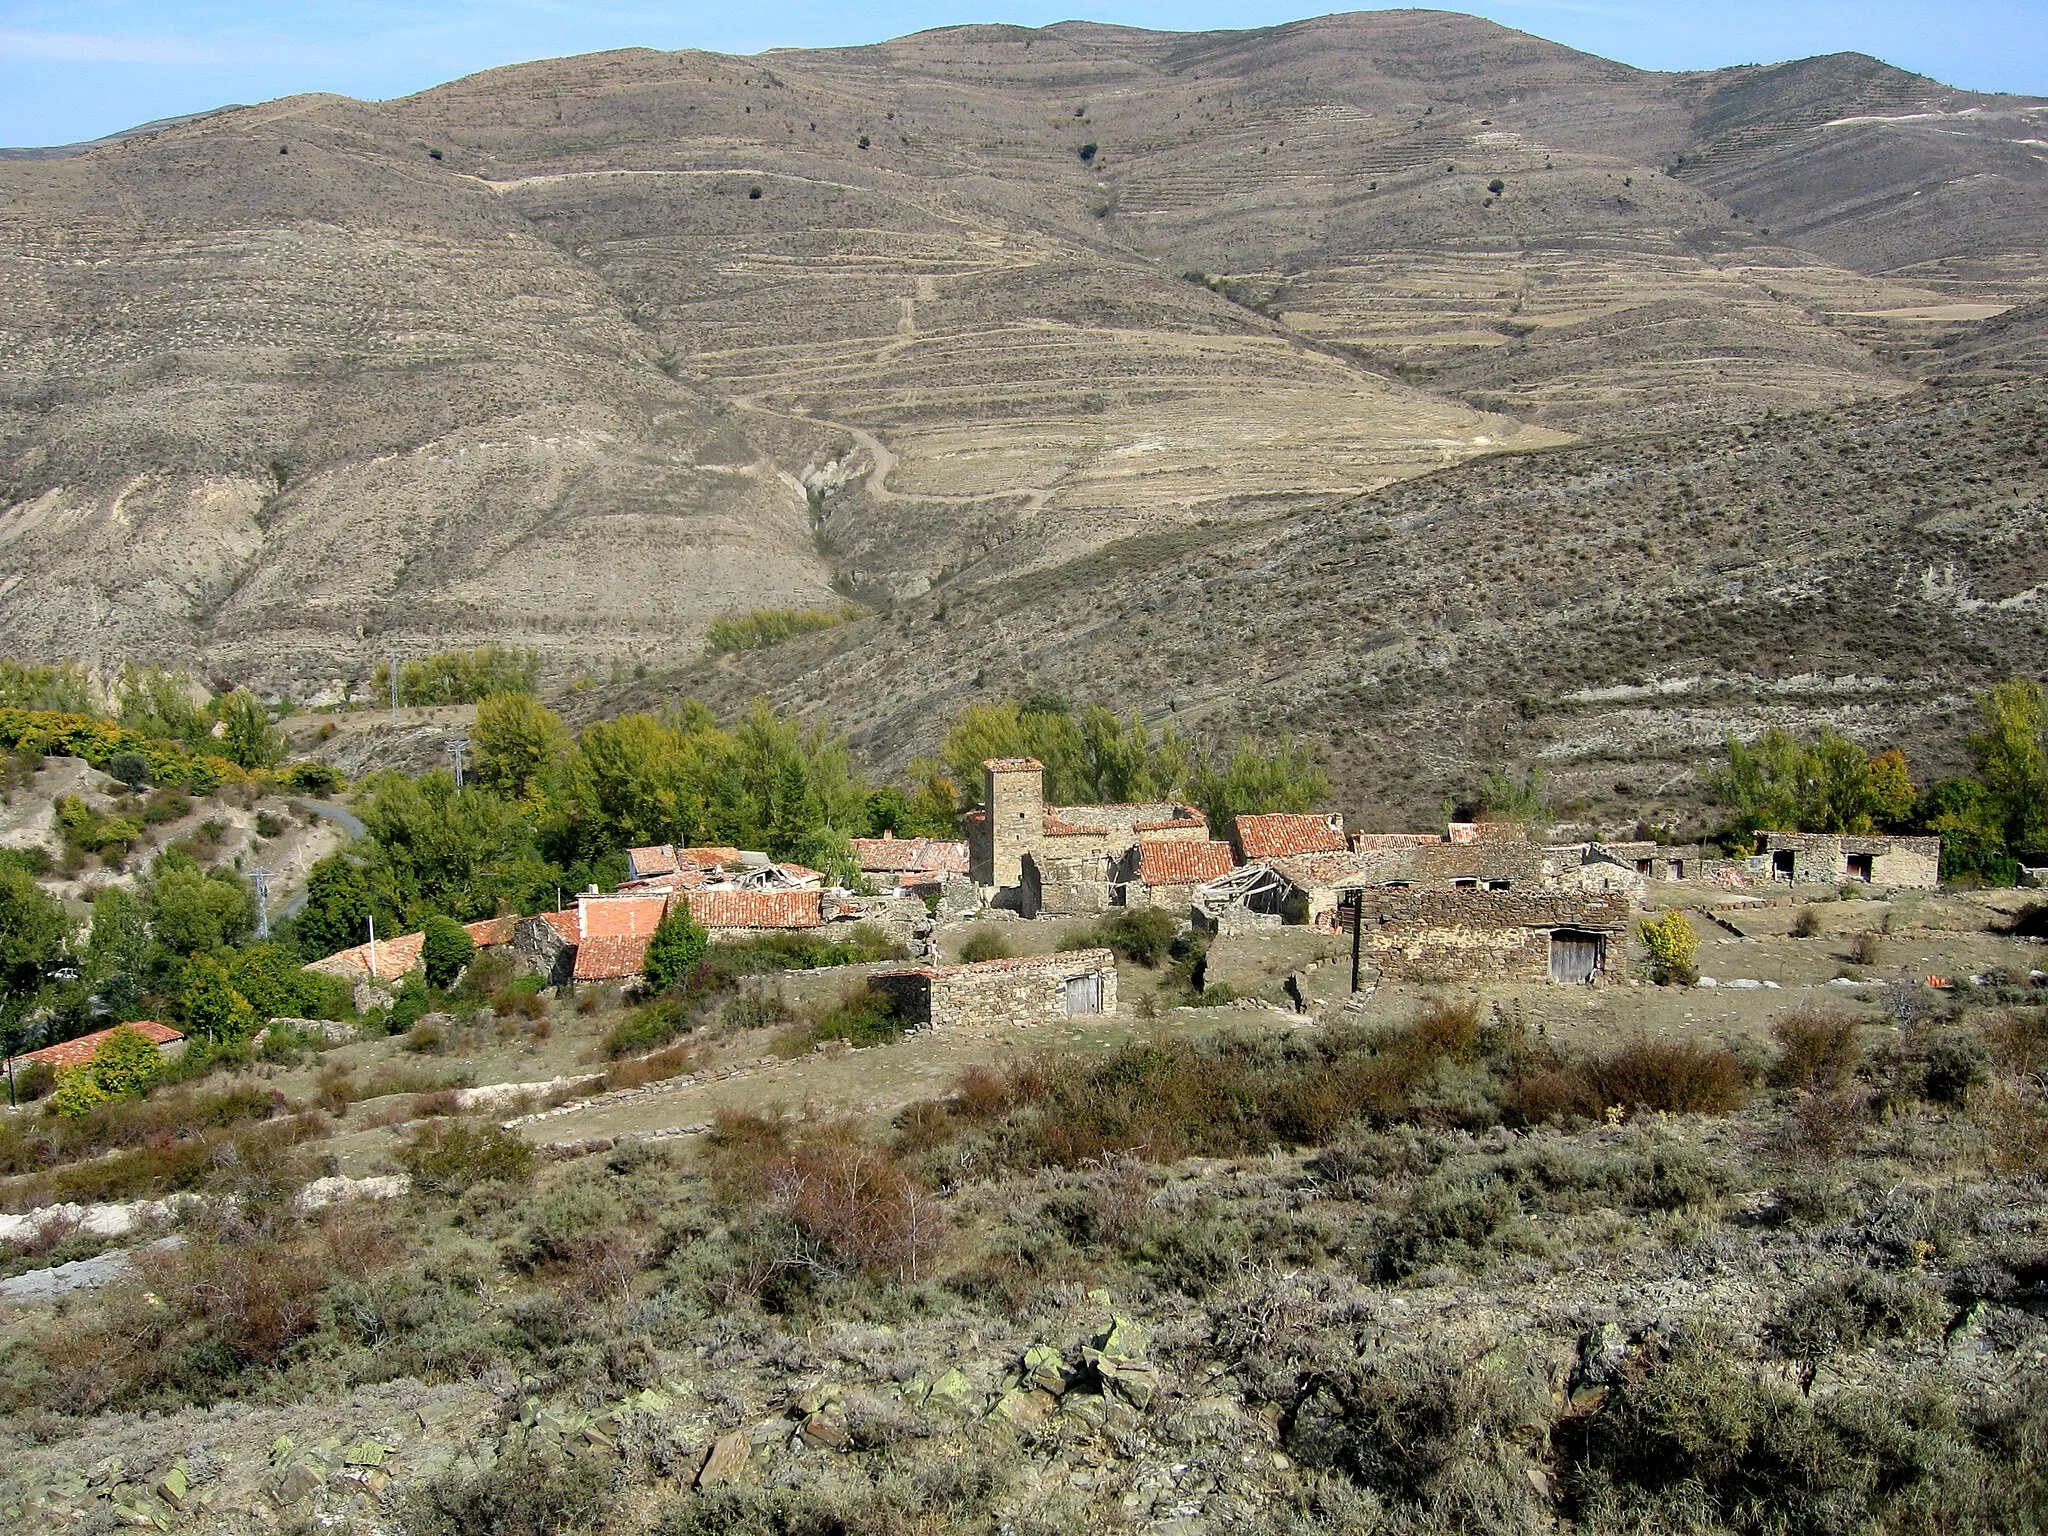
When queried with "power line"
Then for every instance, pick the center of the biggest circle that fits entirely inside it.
(455, 747)
(392, 656)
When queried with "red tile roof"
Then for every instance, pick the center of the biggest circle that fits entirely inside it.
(610, 917)
(1380, 842)
(1056, 826)
(395, 958)
(657, 860)
(564, 923)
(709, 857)
(1277, 836)
(612, 957)
(887, 855)
(1163, 862)
(757, 909)
(491, 932)
(76, 1053)
(1187, 818)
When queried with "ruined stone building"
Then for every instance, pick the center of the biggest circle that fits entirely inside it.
(1001, 994)
(1166, 873)
(919, 865)
(1904, 863)
(1407, 934)
(1065, 860)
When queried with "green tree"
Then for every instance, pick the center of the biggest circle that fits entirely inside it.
(338, 907)
(64, 689)
(1258, 780)
(1502, 797)
(193, 910)
(211, 1005)
(1971, 825)
(675, 949)
(2012, 759)
(445, 948)
(163, 706)
(468, 854)
(635, 781)
(1042, 729)
(33, 934)
(117, 950)
(247, 737)
(1764, 784)
(517, 745)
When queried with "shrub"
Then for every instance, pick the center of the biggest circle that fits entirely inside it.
(1674, 949)
(986, 943)
(676, 949)
(1817, 1050)
(1673, 1076)
(1866, 949)
(131, 768)
(447, 1157)
(1955, 1063)
(771, 626)
(1141, 935)
(1806, 924)
(1844, 1314)
(445, 948)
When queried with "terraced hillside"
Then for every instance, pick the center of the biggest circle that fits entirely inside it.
(584, 353)
(1609, 610)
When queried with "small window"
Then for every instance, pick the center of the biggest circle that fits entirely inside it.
(1464, 885)
(1499, 885)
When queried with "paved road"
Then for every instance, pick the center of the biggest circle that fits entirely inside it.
(342, 817)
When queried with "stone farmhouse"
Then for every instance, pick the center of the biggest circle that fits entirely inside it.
(1904, 863)
(1001, 994)
(386, 961)
(1063, 860)
(918, 865)
(1529, 935)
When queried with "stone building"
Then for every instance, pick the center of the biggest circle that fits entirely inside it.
(1061, 859)
(1281, 836)
(920, 864)
(1468, 935)
(1167, 874)
(1001, 994)
(1904, 863)
(79, 1050)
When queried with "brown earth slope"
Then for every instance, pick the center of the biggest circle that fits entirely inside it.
(581, 354)
(1610, 611)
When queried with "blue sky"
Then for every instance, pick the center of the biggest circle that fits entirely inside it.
(80, 68)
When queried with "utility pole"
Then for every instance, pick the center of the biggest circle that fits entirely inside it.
(455, 747)
(372, 921)
(261, 879)
(392, 657)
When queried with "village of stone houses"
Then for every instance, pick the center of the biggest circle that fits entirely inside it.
(1034, 781)
(432, 1151)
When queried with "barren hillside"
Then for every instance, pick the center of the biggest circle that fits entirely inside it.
(584, 353)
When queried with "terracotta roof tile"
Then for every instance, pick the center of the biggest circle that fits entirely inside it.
(1380, 842)
(1172, 824)
(657, 860)
(910, 855)
(609, 917)
(491, 932)
(710, 857)
(564, 923)
(613, 957)
(757, 909)
(76, 1053)
(395, 958)
(1278, 836)
(1056, 826)
(1184, 863)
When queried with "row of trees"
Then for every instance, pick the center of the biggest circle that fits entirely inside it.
(1833, 784)
(547, 810)
(151, 706)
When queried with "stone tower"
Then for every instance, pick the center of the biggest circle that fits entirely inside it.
(1013, 794)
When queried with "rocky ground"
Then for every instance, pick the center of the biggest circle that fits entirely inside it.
(1429, 1313)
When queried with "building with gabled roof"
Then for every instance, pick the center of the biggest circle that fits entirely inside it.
(1282, 835)
(1060, 858)
(1161, 873)
(79, 1051)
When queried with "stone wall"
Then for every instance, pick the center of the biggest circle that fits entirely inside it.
(539, 949)
(1422, 935)
(997, 994)
(1912, 863)
(1057, 884)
